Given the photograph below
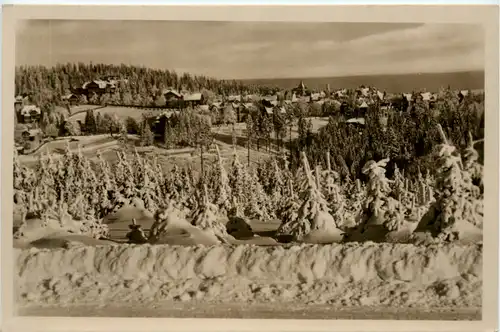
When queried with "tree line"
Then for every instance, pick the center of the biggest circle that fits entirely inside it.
(138, 85)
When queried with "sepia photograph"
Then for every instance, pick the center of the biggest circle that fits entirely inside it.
(248, 169)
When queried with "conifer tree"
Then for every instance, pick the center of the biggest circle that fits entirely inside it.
(147, 136)
(90, 123)
(380, 208)
(313, 214)
(223, 190)
(206, 217)
(456, 204)
(250, 133)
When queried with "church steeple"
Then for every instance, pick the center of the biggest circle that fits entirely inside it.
(301, 89)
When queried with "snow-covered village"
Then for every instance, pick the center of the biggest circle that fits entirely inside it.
(187, 186)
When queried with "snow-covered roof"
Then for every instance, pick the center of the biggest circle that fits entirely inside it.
(68, 96)
(29, 109)
(172, 91)
(426, 96)
(363, 105)
(271, 98)
(356, 120)
(269, 110)
(101, 84)
(193, 97)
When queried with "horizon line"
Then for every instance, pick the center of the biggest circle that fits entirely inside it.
(358, 75)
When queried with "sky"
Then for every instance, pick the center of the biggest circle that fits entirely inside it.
(251, 50)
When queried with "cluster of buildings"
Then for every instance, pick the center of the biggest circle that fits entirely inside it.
(27, 135)
(26, 112)
(342, 100)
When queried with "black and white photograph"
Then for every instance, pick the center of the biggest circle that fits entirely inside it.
(249, 169)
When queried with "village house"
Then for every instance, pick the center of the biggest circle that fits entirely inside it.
(426, 96)
(270, 101)
(173, 98)
(271, 111)
(243, 111)
(194, 99)
(408, 96)
(19, 102)
(71, 99)
(171, 94)
(98, 87)
(31, 140)
(315, 97)
(340, 93)
(361, 110)
(29, 114)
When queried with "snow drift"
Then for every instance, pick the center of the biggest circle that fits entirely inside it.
(348, 274)
(339, 263)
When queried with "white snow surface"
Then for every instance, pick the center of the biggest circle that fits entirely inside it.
(351, 274)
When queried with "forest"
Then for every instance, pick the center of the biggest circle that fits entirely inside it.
(137, 85)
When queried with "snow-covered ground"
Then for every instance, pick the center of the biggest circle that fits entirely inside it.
(433, 278)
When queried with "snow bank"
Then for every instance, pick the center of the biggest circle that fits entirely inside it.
(335, 275)
(339, 263)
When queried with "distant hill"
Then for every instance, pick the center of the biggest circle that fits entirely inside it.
(473, 80)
